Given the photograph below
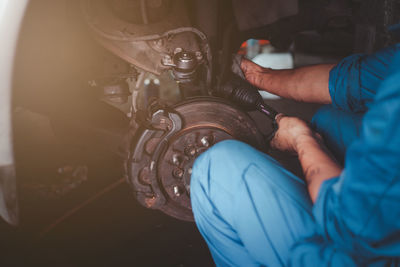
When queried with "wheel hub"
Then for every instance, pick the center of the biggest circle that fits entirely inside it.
(163, 153)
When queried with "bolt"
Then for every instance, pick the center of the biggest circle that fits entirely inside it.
(190, 151)
(177, 191)
(178, 173)
(177, 50)
(190, 170)
(175, 159)
(166, 60)
(150, 200)
(204, 141)
(199, 55)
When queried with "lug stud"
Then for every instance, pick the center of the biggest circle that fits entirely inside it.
(190, 151)
(176, 159)
(205, 142)
(177, 191)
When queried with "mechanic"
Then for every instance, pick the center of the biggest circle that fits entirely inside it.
(251, 211)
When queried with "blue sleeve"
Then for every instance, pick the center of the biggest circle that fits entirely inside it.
(354, 81)
(358, 213)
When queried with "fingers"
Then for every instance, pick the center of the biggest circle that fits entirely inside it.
(244, 64)
(289, 129)
(249, 66)
(236, 66)
(278, 117)
(274, 143)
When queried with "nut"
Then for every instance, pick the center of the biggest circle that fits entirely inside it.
(190, 151)
(167, 60)
(176, 159)
(205, 142)
(178, 173)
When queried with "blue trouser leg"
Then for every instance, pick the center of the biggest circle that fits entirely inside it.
(249, 209)
(338, 128)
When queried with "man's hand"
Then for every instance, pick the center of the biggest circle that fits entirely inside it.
(291, 130)
(307, 84)
(255, 74)
(294, 135)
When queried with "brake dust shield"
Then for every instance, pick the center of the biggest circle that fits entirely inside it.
(163, 150)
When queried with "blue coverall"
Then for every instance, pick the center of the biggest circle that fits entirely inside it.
(253, 212)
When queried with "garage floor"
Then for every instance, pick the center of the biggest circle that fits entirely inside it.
(114, 230)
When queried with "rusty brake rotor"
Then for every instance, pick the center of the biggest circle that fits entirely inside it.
(164, 150)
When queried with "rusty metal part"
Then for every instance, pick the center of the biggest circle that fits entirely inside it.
(145, 45)
(185, 61)
(160, 175)
(185, 66)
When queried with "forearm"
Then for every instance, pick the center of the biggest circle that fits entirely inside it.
(306, 84)
(317, 164)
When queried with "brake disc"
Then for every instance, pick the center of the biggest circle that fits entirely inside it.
(164, 149)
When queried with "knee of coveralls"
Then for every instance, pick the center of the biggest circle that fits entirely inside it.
(338, 128)
(237, 191)
(221, 166)
(216, 174)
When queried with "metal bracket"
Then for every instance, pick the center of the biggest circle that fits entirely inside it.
(153, 197)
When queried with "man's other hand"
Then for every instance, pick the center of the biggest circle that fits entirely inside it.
(290, 132)
(255, 74)
(306, 84)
